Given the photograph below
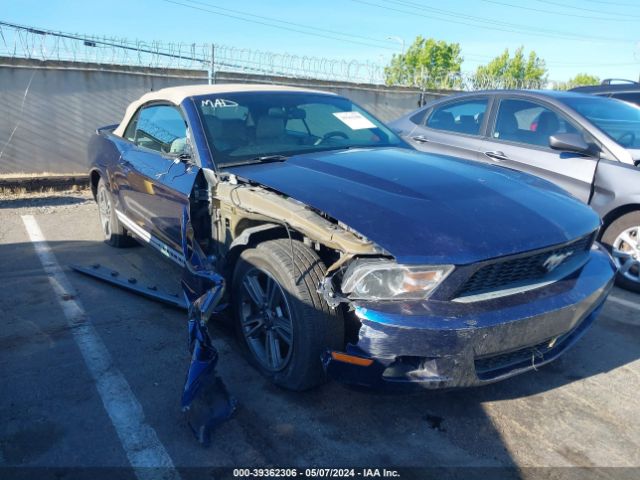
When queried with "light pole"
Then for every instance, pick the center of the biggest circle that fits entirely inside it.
(400, 40)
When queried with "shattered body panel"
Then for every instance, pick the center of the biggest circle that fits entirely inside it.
(205, 398)
(259, 204)
(448, 344)
(391, 205)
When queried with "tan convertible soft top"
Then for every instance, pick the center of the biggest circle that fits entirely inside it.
(176, 95)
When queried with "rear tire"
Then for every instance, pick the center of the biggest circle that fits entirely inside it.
(112, 230)
(275, 297)
(622, 238)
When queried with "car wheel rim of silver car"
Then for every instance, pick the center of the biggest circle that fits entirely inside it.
(265, 319)
(104, 207)
(626, 253)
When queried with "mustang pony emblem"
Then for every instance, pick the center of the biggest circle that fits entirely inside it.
(554, 261)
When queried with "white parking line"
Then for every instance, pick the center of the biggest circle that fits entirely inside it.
(139, 440)
(622, 301)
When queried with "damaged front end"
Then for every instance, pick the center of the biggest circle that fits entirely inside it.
(434, 339)
(373, 280)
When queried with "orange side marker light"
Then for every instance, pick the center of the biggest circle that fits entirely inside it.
(343, 357)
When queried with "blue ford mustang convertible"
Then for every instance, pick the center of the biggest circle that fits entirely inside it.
(345, 252)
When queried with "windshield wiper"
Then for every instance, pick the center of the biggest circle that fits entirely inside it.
(269, 158)
(260, 159)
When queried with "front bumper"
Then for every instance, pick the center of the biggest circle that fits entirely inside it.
(437, 344)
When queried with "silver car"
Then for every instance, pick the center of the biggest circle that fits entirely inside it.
(588, 145)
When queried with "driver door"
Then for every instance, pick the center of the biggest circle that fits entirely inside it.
(159, 180)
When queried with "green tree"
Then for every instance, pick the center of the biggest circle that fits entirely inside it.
(427, 63)
(579, 80)
(506, 71)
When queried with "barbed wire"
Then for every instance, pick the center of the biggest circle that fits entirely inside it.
(467, 81)
(21, 41)
(27, 42)
(297, 66)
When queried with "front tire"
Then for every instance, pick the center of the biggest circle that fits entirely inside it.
(281, 319)
(622, 238)
(114, 233)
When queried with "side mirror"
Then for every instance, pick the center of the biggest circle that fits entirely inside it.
(570, 142)
(182, 149)
(187, 153)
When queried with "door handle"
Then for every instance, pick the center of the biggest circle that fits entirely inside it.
(496, 155)
(420, 139)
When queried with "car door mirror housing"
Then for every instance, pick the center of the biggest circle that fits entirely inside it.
(570, 142)
(187, 154)
(182, 149)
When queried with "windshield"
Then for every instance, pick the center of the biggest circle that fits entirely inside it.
(241, 127)
(619, 120)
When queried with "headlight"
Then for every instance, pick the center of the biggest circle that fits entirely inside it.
(386, 280)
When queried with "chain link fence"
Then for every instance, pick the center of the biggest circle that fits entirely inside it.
(20, 41)
(26, 42)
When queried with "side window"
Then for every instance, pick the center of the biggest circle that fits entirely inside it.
(631, 97)
(158, 127)
(418, 118)
(130, 131)
(528, 122)
(461, 117)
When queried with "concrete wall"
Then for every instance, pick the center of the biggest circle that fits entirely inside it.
(49, 109)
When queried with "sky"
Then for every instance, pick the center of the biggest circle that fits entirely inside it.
(599, 37)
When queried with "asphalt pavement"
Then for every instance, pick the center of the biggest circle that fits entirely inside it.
(91, 378)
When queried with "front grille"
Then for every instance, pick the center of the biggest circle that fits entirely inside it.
(491, 367)
(532, 355)
(529, 268)
(494, 366)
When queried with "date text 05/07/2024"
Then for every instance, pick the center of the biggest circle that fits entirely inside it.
(315, 473)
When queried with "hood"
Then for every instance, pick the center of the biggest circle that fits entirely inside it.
(429, 209)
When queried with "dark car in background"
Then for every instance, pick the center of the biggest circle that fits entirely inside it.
(342, 247)
(626, 90)
(588, 145)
